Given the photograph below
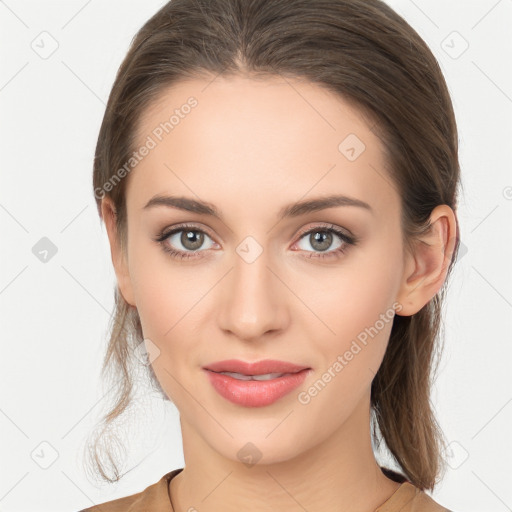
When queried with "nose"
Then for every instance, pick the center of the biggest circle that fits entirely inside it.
(252, 301)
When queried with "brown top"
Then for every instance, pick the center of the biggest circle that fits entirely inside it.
(155, 498)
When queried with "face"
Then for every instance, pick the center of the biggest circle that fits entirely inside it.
(317, 288)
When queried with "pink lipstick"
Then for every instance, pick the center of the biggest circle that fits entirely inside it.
(255, 384)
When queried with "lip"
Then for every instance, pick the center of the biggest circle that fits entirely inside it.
(255, 368)
(254, 393)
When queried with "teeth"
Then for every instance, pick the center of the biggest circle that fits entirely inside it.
(266, 376)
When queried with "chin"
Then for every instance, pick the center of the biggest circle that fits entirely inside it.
(255, 448)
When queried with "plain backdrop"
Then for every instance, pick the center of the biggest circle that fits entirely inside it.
(55, 312)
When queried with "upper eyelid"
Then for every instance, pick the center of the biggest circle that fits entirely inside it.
(176, 229)
(327, 227)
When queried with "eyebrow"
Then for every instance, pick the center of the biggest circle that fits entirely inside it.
(291, 210)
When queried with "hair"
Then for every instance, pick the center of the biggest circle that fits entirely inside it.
(368, 55)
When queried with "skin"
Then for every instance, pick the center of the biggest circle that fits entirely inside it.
(250, 147)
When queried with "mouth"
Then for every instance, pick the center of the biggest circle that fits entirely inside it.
(256, 384)
(259, 370)
(264, 376)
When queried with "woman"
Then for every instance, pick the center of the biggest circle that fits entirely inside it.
(278, 181)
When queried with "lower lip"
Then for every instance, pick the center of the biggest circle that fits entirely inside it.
(256, 393)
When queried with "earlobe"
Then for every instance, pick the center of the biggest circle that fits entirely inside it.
(118, 257)
(426, 267)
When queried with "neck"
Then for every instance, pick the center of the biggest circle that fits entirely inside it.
(338, 474)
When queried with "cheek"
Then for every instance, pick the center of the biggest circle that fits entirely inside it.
(167, 316)
(162, 290)
(350, 355)
(355, 306)
(168, 298)
(158, 293)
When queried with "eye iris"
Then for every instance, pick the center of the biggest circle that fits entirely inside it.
(194, 238)
(324, 236)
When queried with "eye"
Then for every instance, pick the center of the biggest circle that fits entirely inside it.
(190, 238)
(321, 238)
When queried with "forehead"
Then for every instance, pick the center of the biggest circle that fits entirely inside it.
(240, 102)
(262, 137)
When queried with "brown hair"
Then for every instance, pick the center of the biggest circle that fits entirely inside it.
(367, 54)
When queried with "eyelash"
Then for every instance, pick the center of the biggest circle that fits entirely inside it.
(336, 253)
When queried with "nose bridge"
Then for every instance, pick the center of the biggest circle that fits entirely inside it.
(251, 304)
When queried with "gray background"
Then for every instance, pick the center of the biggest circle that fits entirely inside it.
(59, 60)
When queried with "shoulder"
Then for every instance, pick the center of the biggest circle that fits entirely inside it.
(153, 497)
(115, 505)
(422, 502)
(409, 498)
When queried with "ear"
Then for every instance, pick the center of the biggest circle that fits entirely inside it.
(425, 269)
(119, 259)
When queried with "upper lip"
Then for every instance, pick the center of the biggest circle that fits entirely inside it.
(255, 368)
